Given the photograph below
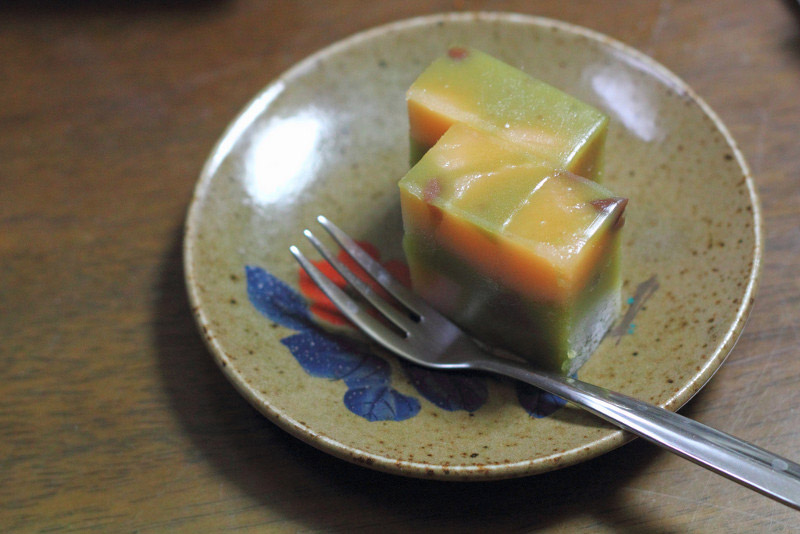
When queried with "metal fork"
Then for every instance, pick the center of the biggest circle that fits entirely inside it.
(425, 337)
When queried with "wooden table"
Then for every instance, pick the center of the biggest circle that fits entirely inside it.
(113, 416)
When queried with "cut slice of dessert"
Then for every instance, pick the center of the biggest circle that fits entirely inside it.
(471, 87)
(521, 254)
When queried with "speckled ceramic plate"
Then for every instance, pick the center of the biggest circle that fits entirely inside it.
(330, 136)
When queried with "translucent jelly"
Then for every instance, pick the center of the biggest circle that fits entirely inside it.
(523, 255)
(471, 87)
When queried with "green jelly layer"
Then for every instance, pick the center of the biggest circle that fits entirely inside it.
(557, 337)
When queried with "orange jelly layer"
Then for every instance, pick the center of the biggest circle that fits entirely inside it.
(471, 87)
(516, 218)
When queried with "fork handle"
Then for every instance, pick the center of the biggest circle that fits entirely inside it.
(740, 461)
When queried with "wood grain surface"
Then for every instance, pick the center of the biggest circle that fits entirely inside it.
(113, 416)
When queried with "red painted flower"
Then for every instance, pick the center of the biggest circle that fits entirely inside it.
(321, 306)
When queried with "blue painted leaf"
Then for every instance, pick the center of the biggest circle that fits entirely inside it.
(325, 356)
(536, 402)
(381, 403)
(449, 390)
(276, 300)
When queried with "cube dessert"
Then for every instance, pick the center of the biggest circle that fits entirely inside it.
(471, 87)
(521, 253)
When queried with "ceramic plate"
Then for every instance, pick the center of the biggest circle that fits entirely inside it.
(330, 136)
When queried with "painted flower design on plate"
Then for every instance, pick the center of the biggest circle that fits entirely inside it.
(324, 351)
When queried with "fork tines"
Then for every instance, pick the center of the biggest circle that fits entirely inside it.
(349, 306)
